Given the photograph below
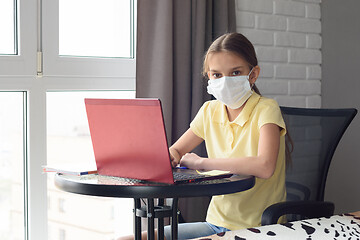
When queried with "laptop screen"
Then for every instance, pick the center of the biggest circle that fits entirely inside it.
(129, 139)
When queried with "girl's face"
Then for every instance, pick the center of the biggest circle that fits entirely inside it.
(229, 64)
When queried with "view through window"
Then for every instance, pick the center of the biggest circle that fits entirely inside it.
(8, 27)
(11, 166)
(87, 51)
(95, 28)
(68, 141)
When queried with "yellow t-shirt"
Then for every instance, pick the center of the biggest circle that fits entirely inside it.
(236, 139)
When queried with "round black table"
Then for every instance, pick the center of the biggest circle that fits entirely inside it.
(107, 186)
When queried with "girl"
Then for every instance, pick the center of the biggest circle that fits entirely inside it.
(244, 134)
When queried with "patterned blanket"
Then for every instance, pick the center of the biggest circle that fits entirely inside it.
(343, 226)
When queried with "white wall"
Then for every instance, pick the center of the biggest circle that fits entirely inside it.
(309, 54)
(340, 88)
(287, 38)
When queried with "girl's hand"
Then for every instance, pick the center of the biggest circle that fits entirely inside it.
(174, 157)
(192, 161)
(186, 143)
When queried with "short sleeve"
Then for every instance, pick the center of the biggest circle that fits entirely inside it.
(198, 123)
(271, 113)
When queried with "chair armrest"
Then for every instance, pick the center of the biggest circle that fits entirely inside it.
(308, 209)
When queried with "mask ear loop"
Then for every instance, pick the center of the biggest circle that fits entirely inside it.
(248, 77)
(250, 72)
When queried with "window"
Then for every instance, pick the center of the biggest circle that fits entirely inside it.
(62, 234)
(105, 28)
(100, 29)
(68, 141)
(43, 79)
(8, 18)
(62, 205)
(11, 165)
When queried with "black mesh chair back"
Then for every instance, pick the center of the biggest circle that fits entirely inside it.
(315, 134)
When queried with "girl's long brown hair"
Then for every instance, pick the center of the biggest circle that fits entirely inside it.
(238, 44)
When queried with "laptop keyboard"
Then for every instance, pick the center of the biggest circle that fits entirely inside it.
(186, 176)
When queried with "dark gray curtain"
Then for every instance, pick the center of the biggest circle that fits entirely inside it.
(172, 37)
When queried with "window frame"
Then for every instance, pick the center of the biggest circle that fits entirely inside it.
(55, 65)
(20, 73)
(24, 63)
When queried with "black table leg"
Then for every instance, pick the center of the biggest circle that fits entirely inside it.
(174, 219)
(160, 211)
(137, 205)
(161, 203)
(150, 218)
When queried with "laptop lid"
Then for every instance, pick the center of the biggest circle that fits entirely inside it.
(129, 139)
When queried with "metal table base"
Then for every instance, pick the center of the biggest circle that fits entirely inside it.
(151, 212)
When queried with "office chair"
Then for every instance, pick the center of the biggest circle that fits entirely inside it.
(315, 134)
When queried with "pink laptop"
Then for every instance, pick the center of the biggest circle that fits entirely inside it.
(129, 140)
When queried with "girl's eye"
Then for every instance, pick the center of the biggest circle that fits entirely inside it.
(216, 75)
(236, 73)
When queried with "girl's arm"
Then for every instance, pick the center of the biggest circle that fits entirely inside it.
(262, 166)
(186, 143)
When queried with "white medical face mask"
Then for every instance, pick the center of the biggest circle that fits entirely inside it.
(232, 91)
